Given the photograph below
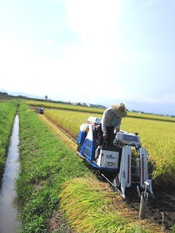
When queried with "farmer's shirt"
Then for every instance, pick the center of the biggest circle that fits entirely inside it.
(110, 119)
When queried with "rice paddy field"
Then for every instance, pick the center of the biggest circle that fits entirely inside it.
(157, 134)
(60, 194)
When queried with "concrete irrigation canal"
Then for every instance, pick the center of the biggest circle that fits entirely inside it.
(9, 207)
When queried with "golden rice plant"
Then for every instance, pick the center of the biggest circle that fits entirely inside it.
(68, 120)
(63, 106)
(156, 136)
(91, 206)
(71, 107)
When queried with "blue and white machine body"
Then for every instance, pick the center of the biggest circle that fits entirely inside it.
(119, 159)
(107, 159)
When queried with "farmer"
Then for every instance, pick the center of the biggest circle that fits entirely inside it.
(110, 123)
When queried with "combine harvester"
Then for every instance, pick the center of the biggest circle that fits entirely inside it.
(124, 164)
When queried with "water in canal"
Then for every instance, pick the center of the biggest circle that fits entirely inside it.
(9, 208)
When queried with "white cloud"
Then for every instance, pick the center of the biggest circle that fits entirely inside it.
(97, 67)
(49, 42)
(95, 22)
(91, 62)
(90, 15)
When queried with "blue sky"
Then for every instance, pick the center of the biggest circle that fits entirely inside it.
(93, 51)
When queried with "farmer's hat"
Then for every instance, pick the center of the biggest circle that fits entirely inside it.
(120, 110)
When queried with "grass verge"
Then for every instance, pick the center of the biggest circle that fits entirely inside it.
(45, 165)
(7, 114)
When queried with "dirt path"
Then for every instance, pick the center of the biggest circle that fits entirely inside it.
(160, 209)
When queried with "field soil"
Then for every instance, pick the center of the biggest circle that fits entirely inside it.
(160, 209)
